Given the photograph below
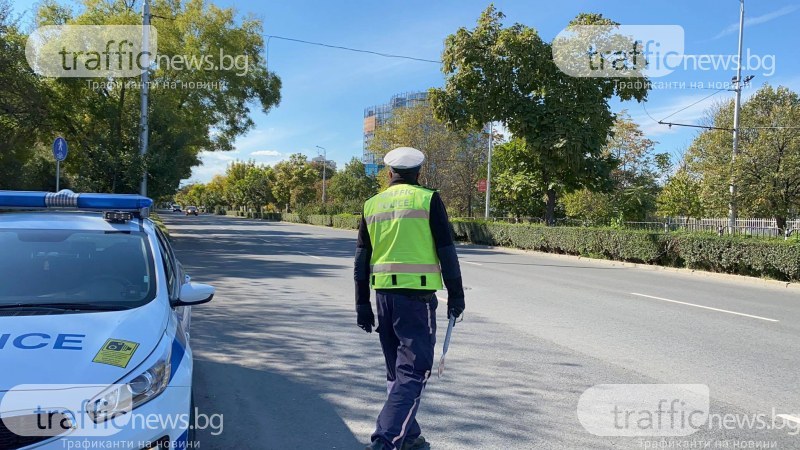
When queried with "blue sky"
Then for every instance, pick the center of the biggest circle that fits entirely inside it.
(325, 90)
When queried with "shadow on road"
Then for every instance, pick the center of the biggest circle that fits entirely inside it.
(279, 354)
(262, 409)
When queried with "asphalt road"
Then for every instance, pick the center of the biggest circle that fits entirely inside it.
(278, 353)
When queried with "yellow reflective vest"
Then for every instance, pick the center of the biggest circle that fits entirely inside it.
(403, 250)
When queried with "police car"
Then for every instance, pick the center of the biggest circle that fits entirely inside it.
(94, 325)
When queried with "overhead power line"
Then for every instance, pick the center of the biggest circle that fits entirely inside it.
(349, 49)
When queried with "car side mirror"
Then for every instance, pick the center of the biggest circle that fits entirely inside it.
(194, 294)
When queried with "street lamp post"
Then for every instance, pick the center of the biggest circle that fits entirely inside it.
(489, 171)
(324, 169)
(145, 91)
(732, 207)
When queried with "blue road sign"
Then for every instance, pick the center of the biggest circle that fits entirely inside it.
(60, 148)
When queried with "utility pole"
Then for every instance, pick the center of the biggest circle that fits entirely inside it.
(324, 169)
(145, 91)
(732, 209)
(489, 170)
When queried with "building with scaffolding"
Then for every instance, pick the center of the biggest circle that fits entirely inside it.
(375, 116)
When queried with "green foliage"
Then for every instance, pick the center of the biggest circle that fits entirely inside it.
(680, 197)
(767, 170)
(592, 207)
(351, 187)
(347, 221)
(291, 217)
(321, 220)
(101, 121)
(508, 74)
(623, 245)
(516, 191)
(770, 258)
(746, 256)
(294, 182)
(454, 159)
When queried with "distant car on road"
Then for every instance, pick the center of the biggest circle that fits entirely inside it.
(176, 208)
(191, 210)
(95, 319)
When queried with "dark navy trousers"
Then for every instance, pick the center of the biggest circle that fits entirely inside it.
(407, 330)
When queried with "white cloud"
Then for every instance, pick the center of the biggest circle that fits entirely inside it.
(758, 20)
(266, 153)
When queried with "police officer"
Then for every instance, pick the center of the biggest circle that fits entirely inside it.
(405, 251)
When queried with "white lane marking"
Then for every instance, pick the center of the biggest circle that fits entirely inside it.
(311, 256)
(473, 263)
(705, 307)
(789, 418)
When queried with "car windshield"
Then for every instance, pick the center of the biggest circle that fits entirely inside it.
(100, 269)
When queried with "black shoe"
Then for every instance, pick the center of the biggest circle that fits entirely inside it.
(377, 445)
(417, 444)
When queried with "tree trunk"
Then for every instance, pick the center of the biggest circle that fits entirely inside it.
(781, 223)
(550, 214)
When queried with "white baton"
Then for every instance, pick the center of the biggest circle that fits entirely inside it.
(446, 344)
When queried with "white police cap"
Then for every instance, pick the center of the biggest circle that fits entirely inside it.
(404, 158)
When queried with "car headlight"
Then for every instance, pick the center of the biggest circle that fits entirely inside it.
(138, 390)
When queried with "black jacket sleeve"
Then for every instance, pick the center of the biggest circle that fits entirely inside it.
(445, 248)
(361, 271)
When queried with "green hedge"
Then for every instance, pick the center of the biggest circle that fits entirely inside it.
(319, 220)
(744, 256)
(290, 217)
(348, 221)
(634, 246)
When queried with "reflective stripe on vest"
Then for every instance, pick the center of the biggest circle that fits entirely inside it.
(403, 250)
(406, 268)
(397, 214)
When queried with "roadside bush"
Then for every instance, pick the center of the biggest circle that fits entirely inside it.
(220, 211)
(272, 216)
(321, 220)
(744, 256)
(348, 221)
(291, 217)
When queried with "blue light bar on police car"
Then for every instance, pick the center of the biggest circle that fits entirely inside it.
(68, 199)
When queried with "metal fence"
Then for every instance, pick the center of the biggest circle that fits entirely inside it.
(765, 228)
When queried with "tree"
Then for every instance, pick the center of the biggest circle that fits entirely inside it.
(767, 170)
(509, 75)
(192, 108)
(245, 184)
(633, 186)
(351, 187)
(514, 191)
(454, 159)
(24, 101)
(680, 196)
(294, 182)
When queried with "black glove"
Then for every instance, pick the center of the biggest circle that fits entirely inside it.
(366, 319)
(455, 307)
